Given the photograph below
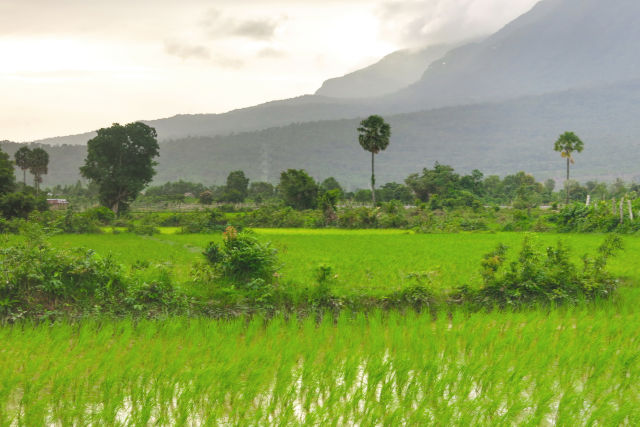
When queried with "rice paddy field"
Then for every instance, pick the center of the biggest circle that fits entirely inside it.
(568, 366)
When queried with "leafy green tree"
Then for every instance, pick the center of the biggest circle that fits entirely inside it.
(566, 144)
(23, 161)
(120, 160)
(394, 191)
(7, 177)
(441, 181)
(374, 134)
(237, 188)
(38, 165)
(298, 189)
(261, 191)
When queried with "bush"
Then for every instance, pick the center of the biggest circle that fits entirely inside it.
(242, 259)
(79, 223)
(37, 280)
(100, 214)
(543, 277)
(209, 222)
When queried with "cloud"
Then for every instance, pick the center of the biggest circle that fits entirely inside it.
(270, 52)
(418, 22)
(186, 51)
(217, 25)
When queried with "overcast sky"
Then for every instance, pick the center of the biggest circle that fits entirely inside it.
(69, 66)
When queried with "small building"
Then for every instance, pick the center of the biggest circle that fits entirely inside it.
(56, 204)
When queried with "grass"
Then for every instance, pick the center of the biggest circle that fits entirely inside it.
(369, 261)
(576, 367)
(571, 366)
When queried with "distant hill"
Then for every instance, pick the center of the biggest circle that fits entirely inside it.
(392, 73)
(559, 44)
(497, 138)
(496, 105)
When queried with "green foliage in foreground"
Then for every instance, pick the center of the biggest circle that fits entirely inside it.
(243, 277)
(577, 367)
(37, 280)
(543, 277)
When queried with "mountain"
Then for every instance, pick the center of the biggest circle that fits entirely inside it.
(559, 44)
(276, 113)
(496, 105)
(497, 138)
(392, 73)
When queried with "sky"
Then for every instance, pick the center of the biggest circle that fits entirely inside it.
(71, 66)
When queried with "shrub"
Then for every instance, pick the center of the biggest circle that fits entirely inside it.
(242, 259)
(543, 276)
(209, 222)
(100, 214)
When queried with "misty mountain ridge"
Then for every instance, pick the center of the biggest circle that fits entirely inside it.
(497, 138)
(392, 73)
(558, 45)
(495, 105)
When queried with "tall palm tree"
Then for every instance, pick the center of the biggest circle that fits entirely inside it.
(39, 166)
(566, 144)
(374, 134)
(23, 161)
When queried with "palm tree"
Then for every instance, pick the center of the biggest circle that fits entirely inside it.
(566, 144)
(39, 166)
(23, 161)
(374, 134)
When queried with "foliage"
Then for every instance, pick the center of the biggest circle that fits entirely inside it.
(120, 160)
(7, 177)
(261, 191)
(39, 280)
(298, 189)
(237, 188)
(21, 204)
(242, 259)
(23, 159)
(38, 161)
(373, 136)
(544, 277)
(206, 222)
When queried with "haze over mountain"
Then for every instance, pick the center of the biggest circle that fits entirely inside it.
(495, 105)
(497, 138)
(392, 73)
(559, 44)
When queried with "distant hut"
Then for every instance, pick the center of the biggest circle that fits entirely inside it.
(56, 204)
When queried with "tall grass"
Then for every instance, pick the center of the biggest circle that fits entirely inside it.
(571, 367)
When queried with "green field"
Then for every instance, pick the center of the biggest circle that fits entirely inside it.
(373, 261)
(534, 368)
(568, 366)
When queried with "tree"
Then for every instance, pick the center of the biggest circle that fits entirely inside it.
(23, 161)
(441, 180)
(237, 187)
(120, 161)
(38, 165)
(261, 191)
(298, 189)
(7, 177)
(566, 144)
(374, 134)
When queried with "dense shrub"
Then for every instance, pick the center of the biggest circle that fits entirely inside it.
(38, 280)
(242, 259)
(543, 277)
(207, 222)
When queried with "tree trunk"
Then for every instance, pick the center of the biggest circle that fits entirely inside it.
(568, 181)
(373, 182)
(24, 177)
